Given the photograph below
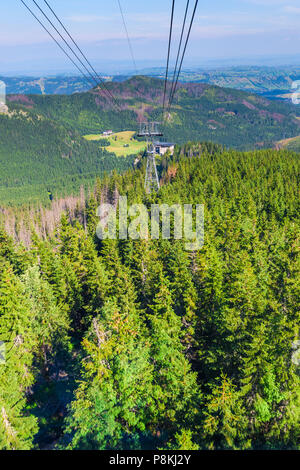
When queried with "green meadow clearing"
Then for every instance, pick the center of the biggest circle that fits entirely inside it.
(292, 144)
(118, 141)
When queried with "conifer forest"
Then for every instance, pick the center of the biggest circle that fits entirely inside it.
(140, 344)
(150, 231)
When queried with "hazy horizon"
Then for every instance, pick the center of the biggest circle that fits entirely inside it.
(125, 67)
(224, 33)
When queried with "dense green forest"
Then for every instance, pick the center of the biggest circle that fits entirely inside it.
(139, 344)
(38, 155)
(41, 138)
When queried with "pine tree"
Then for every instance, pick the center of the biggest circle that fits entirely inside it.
(224, 418)
(113, 401)
(49, 324)
(178, 268)
(175, 389)
(17, 425)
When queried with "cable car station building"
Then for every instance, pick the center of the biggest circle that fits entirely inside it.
(162, 147)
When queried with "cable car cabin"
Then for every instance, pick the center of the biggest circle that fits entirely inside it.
(162, 147)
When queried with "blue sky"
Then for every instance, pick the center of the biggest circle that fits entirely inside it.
(224, 29)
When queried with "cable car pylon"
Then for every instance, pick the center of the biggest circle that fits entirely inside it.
(149, 130)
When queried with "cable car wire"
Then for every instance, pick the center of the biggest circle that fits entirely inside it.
(100, 81)
(67, 44)
(74, 53)
(168, 58)
(80, 50)
(128, 38)
(179, 50)
(55, 40)
(183, 54)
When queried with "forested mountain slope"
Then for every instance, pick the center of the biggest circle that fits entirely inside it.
(38, 155)
(147, 345)
(234, 118)
(41, 144)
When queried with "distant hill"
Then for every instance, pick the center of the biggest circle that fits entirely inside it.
(274, 82)
(45, 85)
(271, 82)
(201, 112)
(42, 144)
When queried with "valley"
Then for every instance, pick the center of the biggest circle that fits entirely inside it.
(150, 229)
(43, 148)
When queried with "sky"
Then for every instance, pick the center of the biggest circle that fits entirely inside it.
(236, 31)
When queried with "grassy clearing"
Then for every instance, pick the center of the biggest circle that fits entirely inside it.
(292, 144)
(118, 141)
